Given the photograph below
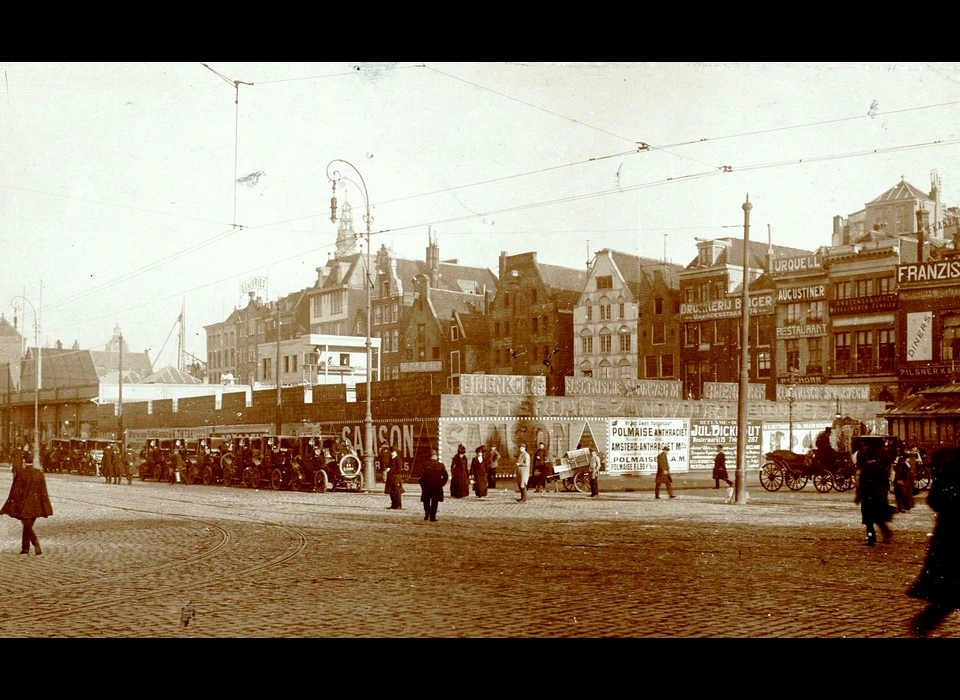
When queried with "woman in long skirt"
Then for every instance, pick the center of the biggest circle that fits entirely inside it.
(460, 474)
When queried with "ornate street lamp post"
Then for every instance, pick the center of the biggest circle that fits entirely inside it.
(790, 401)
(336, 178)
(36, 396)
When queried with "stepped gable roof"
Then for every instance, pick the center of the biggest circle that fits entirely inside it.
(903, 190)
(639, 274)
(6, 328)
(170, 375)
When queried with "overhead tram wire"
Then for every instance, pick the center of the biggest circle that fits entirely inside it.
(355, 71)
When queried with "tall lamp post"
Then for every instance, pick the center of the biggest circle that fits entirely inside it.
(336, 178)
(790, 401)
(36, 396)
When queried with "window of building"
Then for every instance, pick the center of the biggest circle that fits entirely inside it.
(605, 282)
(843, 290)
(763, 364)
(865, 288)
(658, 305)
(815, 312)
(950, 344)
(659, 332)
(266, 368)
(624, 341)
(625, 369)
(436, 353)
(396, 340)
(841, 352)
(814, 355)
(605, 343)
(651, 366)
(506, 328)
(886, 348)
(688, 295)
(546, 353)
(376, 315)
(586, 344)
(533, 296)
(793, 355)
(286, 363)
(706, 331)
(794, 313)
(544, 323)
(864, 351)
(604, 309)
(506, 300)
(316, 310)
(496, 329)
(534, 322)
(666, 365)
(620, 307)
(691, 333)
(589, 312)
(606, 370)
(455, 362)
(887, 285)
(336, 302)
(454, 332)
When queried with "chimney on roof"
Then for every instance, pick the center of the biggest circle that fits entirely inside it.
(433, 258)
(923, 220)
(59, 345)
(319, 282)
(503, 264)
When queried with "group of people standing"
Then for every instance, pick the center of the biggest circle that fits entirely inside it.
(115, 465)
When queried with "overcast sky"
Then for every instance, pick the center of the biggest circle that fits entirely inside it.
(119, 189)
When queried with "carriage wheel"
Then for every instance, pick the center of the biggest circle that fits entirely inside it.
(320, 481)
(822, 481)
(795, 481)
(276, 479)
(843, 481)
(581, 482)
(922, 479)
(207, 475)
(228, 475)
(771, 476)
(359, 482)
(251, 478)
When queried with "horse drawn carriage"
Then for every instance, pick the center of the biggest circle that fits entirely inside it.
(796, 470)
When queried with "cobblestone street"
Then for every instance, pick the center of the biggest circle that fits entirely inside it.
(123, 561)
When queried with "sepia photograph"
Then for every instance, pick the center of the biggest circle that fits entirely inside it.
(512, 303)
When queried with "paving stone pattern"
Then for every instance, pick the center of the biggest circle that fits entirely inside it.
(124, 560)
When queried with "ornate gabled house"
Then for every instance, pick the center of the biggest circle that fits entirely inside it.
(532, 319)
(445, 334)
(395, 294)
(623, 325)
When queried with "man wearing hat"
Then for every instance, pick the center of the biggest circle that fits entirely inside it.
(478, 471)
(663, 472)
(432, 479)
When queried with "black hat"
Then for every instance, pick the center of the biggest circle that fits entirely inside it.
(481, 449)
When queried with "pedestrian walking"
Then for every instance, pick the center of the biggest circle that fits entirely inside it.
(494, 461)
(663, 473)
(594, 473)
(106, 464)
(394, 480)
(478, 472)
(460, 474)
(903, 478)
(432, 479)
(123, 465)
(17, 460)
(523, 473)
(939, 581)
(720, 468)
(27, 501)
(873, 488)
(540, 468)
(177, 463)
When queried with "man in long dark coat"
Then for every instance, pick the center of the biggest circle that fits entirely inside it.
(28, 500)
(478, 469)
(394, 480)
(106, 464)
(873, 487)
(432, 479)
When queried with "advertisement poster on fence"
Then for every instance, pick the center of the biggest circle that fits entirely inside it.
(705, 435)
(634, 443)
(776, 436)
